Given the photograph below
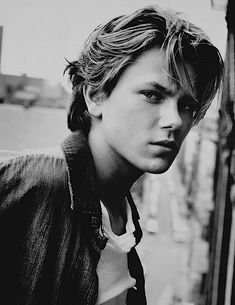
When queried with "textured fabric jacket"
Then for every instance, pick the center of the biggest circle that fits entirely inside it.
(51, 231)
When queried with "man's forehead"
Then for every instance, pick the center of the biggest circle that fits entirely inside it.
(151, 67)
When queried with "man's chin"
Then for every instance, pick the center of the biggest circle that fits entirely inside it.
(158, 171)
(159, 167)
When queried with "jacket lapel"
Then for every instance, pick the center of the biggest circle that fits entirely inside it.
(82, 175)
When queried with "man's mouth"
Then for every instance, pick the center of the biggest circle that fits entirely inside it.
(171, 145)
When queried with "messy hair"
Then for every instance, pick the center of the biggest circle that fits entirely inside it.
(115, 45)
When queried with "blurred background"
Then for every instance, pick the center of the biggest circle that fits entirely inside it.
(187, 213)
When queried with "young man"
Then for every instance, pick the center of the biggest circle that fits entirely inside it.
(68, 225)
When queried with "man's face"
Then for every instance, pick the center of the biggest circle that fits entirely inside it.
(145, 119)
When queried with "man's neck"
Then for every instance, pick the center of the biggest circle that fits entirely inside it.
(115, 175)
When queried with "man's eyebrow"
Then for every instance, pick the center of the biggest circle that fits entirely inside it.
(161, 88)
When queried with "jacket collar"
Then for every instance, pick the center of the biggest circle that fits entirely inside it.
(82, 178)
(82, 175)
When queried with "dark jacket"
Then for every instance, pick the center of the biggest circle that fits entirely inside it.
(51, 231)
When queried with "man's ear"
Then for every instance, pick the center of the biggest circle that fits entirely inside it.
(93, 101)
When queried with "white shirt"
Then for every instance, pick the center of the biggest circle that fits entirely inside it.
(112, 269)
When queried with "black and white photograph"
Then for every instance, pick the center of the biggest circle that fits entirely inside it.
(117, 157)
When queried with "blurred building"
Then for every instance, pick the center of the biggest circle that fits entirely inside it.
(208, 171)
(221, 276)
(30, 91)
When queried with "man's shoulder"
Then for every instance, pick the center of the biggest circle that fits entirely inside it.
(31, 174)
(32, 165)
(6, 155)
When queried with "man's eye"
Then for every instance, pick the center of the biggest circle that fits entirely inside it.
(153, 96)
(188, 106)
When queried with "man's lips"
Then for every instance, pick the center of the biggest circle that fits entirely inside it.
(168, 144)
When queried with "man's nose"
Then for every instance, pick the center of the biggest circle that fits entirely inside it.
(169, 115)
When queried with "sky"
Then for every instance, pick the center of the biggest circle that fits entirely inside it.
(39, 34)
